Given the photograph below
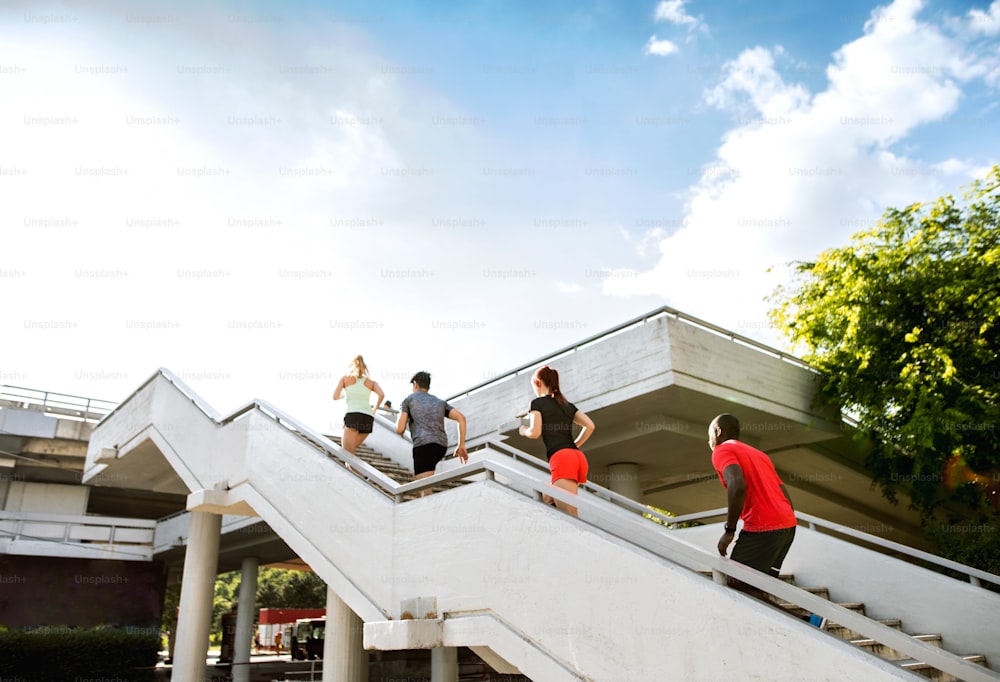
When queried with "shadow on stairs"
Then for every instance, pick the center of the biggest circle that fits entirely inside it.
(870, 645)
(392, 469)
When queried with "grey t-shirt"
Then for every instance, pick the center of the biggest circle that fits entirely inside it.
(426, 414)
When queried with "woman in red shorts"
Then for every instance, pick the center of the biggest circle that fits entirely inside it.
(552, 417)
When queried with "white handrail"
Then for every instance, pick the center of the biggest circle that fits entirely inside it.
(633, 529)
(397, 491)
(975, 575)
(669, 546)
(57, 403)
(78, 519)
(67, 522)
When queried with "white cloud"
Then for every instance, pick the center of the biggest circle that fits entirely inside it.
(672, 11)
(568, 287)
(660, 48)
(801, 172)
(987, 23)
(752, 77)
(340, 195)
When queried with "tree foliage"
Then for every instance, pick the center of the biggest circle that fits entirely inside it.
(904, 324)
(276, 588)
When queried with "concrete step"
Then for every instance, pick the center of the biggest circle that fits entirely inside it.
(393, 470)
(851, 635)
(931, 673)
(857, 607)
(786, 577)
(871, 645)
(891, 654)
(818, 591)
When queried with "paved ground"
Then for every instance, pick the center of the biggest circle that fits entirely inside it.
(263, 668)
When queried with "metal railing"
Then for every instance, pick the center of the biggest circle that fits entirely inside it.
(120, 536)
(397, 491)
(640, 532)
(973, 575)
(662, 311)
(624, 518)
(63, 404)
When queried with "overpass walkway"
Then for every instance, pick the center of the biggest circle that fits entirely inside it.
(607, 596)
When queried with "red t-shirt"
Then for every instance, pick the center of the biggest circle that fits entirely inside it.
(766, 507)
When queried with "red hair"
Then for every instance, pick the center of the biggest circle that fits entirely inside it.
(550, 378)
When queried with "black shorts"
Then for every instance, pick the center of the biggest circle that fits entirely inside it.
(360, 422)
(764, 551)
(426, 457)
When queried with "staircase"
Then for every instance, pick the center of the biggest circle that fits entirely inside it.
(486, 554)
(881, 650)
(394, 470)
(867, 644)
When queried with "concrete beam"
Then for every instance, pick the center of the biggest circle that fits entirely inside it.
(397, 635)
(218, 502)
(55, 446)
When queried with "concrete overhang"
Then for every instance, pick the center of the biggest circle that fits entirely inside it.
(143, 466)
(653, 386)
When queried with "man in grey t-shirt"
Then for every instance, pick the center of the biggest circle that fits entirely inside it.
(425, 414)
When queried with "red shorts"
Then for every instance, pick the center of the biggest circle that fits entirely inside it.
(569, 463)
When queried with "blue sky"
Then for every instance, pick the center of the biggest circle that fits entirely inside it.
(251, 193)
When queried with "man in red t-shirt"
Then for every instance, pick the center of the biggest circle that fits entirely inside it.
(756, 495)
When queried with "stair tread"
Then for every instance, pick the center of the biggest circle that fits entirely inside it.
(888, 622)
(922, 638)
(914, 664)
(852, 605)
(392, 469)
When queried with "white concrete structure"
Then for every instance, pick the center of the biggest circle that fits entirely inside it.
(609, 596)
(245, 617)
(197, 592)
(344, 655)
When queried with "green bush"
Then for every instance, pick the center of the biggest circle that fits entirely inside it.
(973, 542)
(686, 524)
(58, 654)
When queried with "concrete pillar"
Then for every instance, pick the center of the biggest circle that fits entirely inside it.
(244, 620)
(623, 478)
(344, 655)
(201, 560)
(444, 664)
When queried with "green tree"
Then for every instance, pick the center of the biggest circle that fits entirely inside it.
(281, 588)
(903, 323)
(276, 588)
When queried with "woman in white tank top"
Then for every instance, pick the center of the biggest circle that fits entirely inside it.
(357, 387)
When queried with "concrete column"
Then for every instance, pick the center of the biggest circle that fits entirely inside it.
(201, 560)
(344, 655)
(244, 620)
(623, 478)
(444, 664)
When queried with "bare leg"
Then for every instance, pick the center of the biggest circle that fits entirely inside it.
(569, 486)
(351, 440)
(426, 474)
